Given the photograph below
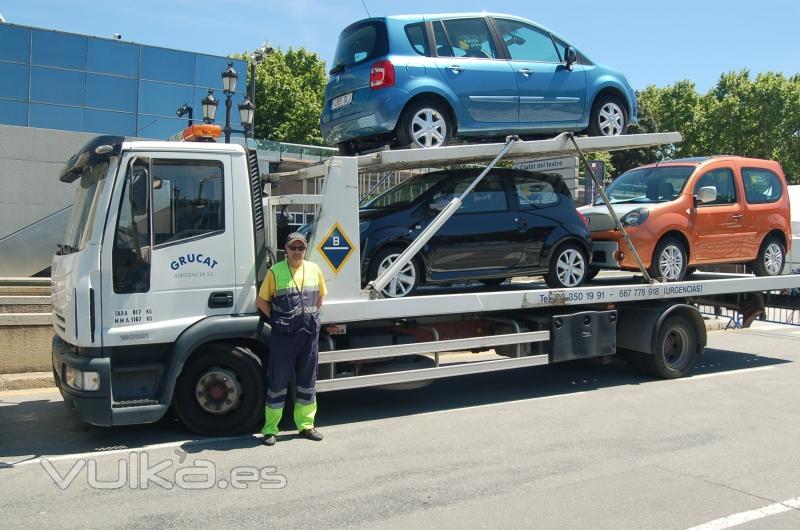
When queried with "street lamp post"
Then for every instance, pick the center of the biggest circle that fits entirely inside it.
(256, 58)
(229, 77)
(210, 104)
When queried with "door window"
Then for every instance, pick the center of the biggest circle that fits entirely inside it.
(416, 37)
(470, 37)
(188, 200)
(131, 252)
(761, 185)
(443, 48)
(526, 43)
(722, 180)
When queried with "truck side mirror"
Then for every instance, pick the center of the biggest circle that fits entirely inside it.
(706, 194)
(571, 57)
(139, 191)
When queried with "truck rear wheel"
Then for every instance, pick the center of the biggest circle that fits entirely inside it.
(221, 391)
(677, 347)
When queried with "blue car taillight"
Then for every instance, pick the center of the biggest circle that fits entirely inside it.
(381, 75)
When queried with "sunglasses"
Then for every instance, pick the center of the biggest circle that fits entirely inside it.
(296, 248)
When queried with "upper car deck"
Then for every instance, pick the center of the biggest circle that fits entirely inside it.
(605, 289)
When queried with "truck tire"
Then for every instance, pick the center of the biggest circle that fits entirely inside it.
(771, 258)
(676, 350)
(221, 391)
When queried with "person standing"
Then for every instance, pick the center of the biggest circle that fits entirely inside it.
(291, 298)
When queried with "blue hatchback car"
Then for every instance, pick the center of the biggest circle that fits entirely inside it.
(422, 80)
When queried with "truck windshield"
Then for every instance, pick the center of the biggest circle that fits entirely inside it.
(406, 192)
(79, 227)
(648, 185)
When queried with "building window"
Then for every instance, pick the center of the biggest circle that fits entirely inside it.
(167, 65)
(105, 122)
(14, 81)
(51, 48)
(58, 86)
(113, 57)
(56, 117)
(111, 93)
(13, 112)
(15, 44)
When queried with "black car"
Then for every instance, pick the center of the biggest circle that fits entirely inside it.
(514, 223)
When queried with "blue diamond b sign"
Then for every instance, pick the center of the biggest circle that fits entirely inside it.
(336, 248)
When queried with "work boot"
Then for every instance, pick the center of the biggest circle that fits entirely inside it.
(311, 434)
(269, 440)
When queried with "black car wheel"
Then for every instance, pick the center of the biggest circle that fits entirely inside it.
(608, 118)
(221, 391)
(669, 260)
(568, 267)
(346, 149)
(405, 282)
(424, 124)
(771, 258)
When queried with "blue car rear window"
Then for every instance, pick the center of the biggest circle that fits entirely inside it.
(360, 42)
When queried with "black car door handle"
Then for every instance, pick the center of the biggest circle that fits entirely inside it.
(220, 299)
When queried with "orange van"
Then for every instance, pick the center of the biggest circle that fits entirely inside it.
(681, 214)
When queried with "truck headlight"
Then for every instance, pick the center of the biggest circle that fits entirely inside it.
(80, 380)
(635, 217)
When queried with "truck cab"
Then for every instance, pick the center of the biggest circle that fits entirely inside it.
(151, 250)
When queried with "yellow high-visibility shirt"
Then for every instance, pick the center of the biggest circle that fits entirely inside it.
(267, 291)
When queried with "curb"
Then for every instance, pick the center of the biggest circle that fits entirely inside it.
(27, 380)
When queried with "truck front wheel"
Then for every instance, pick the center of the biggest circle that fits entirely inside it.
(221, 391)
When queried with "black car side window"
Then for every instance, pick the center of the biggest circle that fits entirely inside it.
(488, 196)
(534, 193)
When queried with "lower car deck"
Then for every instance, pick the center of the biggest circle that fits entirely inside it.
(525, 322)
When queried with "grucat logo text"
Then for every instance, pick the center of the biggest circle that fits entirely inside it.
(193, 258)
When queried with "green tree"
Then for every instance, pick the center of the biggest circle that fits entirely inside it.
(743, 116)
(290, 91)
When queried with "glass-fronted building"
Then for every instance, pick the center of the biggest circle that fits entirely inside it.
(55, 80)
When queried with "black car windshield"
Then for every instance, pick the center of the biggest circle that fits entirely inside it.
(648, 185)
(406, 192)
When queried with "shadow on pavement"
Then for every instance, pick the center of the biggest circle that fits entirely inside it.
(45, 428)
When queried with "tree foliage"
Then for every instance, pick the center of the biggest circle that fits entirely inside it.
(755, 117)
(290, 90)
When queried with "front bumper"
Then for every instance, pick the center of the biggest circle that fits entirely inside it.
(91, 407)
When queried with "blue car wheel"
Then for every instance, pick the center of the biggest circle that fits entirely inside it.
(425, 123)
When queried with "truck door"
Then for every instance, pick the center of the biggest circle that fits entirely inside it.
(168, 248)
(719, 224)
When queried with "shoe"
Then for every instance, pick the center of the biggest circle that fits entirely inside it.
(269, 440)
(311, 434)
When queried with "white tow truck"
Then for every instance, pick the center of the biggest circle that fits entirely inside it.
(154, 290)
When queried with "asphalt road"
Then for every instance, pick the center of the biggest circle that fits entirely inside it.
(582, 445)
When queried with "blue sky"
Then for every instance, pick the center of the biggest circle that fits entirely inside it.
(651, 42)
